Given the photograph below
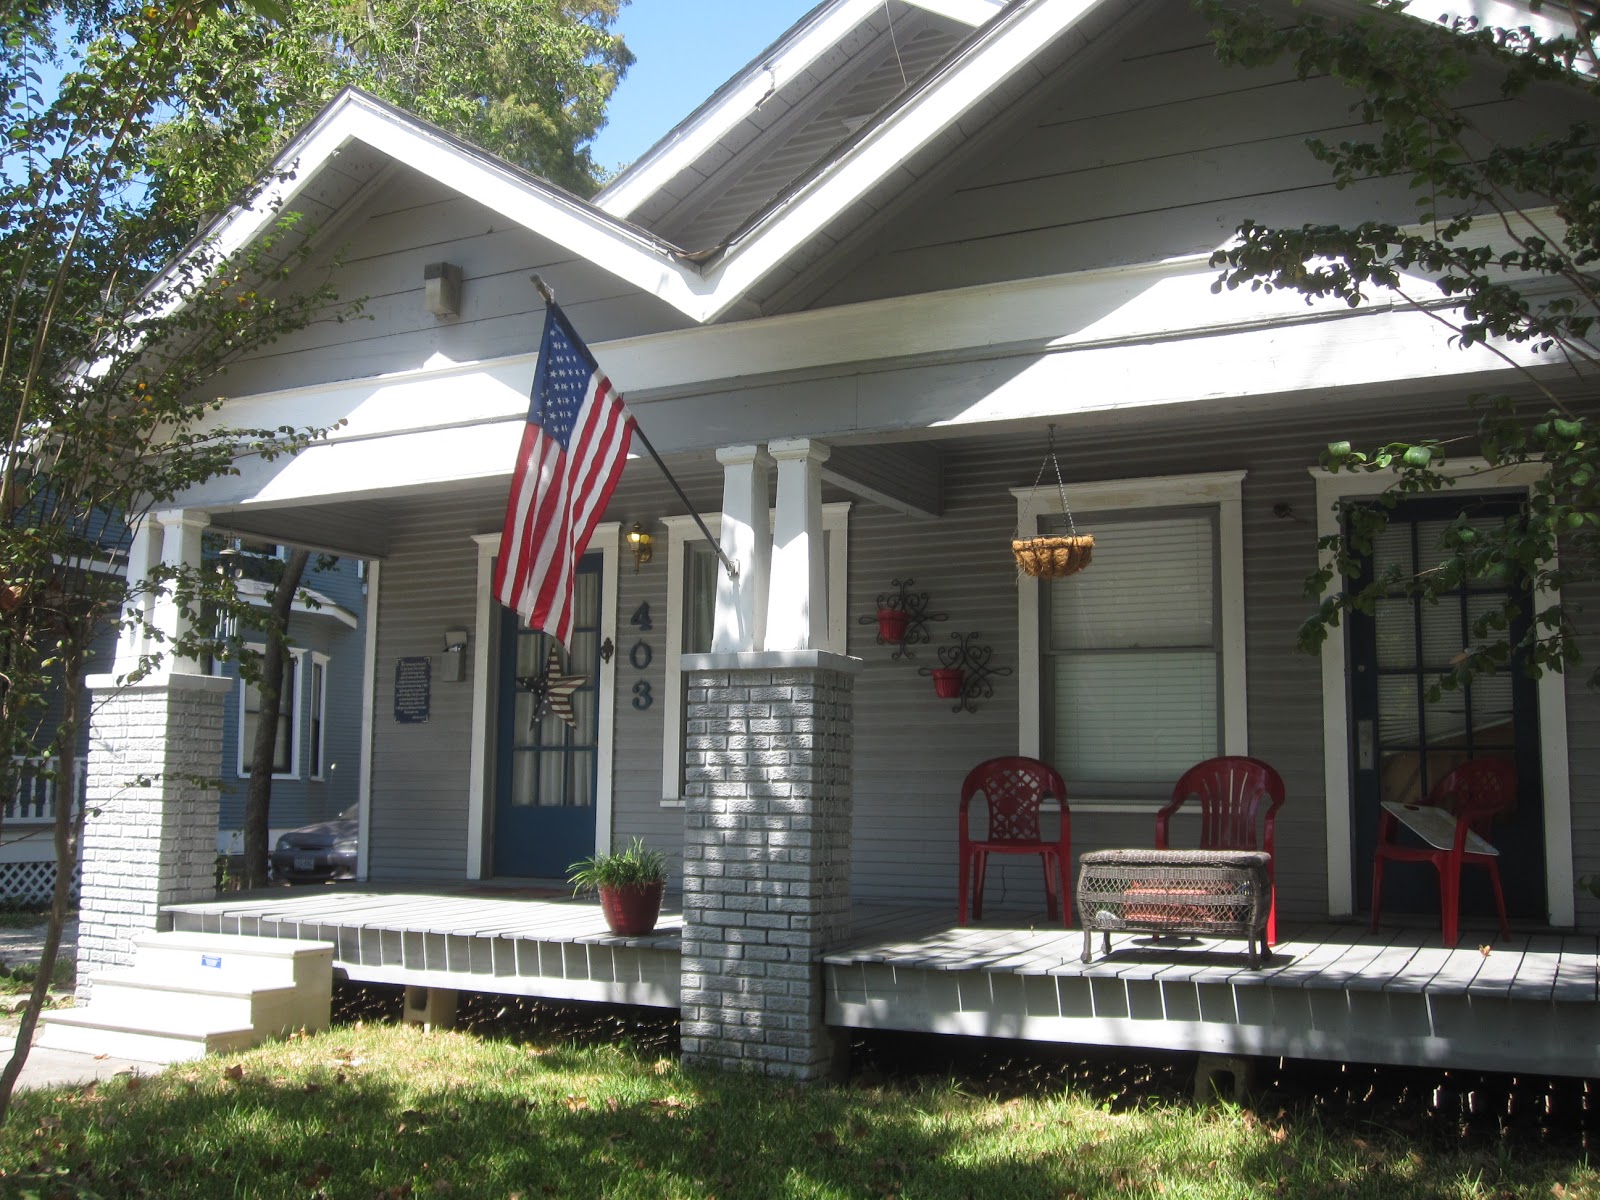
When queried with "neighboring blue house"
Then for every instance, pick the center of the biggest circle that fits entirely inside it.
(318, 761)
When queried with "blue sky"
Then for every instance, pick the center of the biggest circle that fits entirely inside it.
(686, 49)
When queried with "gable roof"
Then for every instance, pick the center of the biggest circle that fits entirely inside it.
(787, 210)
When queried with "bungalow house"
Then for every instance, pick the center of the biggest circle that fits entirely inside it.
(848, 299)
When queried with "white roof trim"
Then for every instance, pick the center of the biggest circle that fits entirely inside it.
(568, 221)
(744, 94)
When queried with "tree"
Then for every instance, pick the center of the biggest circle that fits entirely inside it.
(106, 379)
(1508, 236)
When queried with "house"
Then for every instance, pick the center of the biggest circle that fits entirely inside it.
(848, 299)
(316, 775)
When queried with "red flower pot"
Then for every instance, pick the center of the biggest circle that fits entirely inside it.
(632, 910)
(948, 681)
(892, 624)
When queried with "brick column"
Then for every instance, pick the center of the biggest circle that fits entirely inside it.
(766, 871)
(145, 846)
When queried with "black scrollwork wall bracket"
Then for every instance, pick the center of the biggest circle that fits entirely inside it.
(902, 618)
(966, 672)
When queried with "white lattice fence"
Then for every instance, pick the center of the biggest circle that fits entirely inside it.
(29, 883)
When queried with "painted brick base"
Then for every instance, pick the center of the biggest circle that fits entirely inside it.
(766, 872)
(147, 846)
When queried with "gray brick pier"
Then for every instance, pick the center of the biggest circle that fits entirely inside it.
(766, 872)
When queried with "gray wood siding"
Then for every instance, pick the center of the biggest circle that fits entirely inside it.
(378, 255)
(1151, 149)
(911, 751)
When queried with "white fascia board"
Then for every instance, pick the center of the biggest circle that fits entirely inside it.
(891, 143)
(684, 145)
(563, 219)
(1503, 14)
(968, 12)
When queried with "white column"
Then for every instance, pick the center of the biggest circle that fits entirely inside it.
(180, 547)
(741, 615)
(797, 609)
(144, 552)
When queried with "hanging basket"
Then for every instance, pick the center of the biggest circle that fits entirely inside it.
(892, 624)
(1053, 557)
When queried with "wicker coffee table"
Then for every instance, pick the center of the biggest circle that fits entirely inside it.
(1219, 893)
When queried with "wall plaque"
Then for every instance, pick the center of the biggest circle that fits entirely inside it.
(413, 689)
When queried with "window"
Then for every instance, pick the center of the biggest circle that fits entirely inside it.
(285, 750)
(692, 570)
(1133, 669)
(1131, 656)
(318, 700)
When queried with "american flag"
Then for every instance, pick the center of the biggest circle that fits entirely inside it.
(573, 450)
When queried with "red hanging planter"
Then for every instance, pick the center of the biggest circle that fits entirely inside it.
(948, 682)
(892, 624)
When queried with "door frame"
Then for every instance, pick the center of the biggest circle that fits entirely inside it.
(1560, 904)
(480, 801)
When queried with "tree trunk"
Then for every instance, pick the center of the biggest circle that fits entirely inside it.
(258, 801)
(68, 836)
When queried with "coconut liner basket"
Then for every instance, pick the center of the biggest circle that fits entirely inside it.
(1053, 556)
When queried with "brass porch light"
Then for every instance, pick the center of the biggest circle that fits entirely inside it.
(639, 542)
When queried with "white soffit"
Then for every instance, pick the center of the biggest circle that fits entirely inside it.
(968, 12)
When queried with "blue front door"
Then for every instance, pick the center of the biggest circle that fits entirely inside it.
(545, 779)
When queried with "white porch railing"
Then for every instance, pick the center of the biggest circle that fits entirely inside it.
(30, 798)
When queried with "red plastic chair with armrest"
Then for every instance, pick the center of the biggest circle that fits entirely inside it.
(1014, 789)
(1232, 791)
(1475, 793)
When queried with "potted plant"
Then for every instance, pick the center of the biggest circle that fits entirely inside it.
(630, 883)
(948, 682)
(892, 624)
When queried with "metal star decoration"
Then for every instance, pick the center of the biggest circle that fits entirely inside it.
(552, 691)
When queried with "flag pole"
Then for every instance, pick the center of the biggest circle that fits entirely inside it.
(727, 563)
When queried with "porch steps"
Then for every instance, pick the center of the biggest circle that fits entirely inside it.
(191, 994)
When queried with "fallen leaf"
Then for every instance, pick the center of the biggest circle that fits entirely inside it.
(235, 1073)
(574, 1103)
(313, 1088)
(825, 1137)
(320, 1174)
(1485, 950)
(612, 1103)
(98, 1057)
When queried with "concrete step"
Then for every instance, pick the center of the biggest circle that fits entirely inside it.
(208, 958)
(190, 994)
(135, 997)
(176, 1039)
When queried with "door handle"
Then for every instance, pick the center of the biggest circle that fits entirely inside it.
(1366, 745)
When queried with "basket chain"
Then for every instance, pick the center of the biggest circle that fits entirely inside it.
(1061, 487)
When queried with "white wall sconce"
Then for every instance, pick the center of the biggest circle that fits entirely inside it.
(639, 542)
(454, 667)
(441, 281)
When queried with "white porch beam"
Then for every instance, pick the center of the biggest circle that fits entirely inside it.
(741, 614)
(968, 12)
(797, 608)
(906, 477)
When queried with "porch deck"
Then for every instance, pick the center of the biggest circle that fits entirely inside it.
(1332, 992)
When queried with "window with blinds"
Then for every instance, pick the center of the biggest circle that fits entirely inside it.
(1131, 669)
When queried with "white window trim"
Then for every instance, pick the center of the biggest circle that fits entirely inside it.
(682, 532)
(1220, 490)
(318, 659)
(294, 731)
(369, 717)
(1552, 704)
(606, 542)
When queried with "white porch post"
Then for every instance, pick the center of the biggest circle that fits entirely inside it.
(741, 615)
(143, 554)
(797, 607)
(180, 547)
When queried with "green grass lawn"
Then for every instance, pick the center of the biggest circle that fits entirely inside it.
(386, 1112)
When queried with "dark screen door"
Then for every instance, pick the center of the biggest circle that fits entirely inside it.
(1403, 743)
(544, 817)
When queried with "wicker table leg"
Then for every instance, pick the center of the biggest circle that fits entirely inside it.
(1088, 943)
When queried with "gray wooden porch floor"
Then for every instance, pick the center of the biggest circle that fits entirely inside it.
(1329, 991)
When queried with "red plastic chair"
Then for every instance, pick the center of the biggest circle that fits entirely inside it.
(1475, 793)
(1231, 791)
(1013, 789)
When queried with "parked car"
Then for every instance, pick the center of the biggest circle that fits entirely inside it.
(317, 853)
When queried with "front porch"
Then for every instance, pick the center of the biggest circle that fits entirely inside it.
(1330, 992)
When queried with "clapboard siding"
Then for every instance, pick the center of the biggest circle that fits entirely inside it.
(1154, 150)
(911, 751)
(378, 256)
(418, 827)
